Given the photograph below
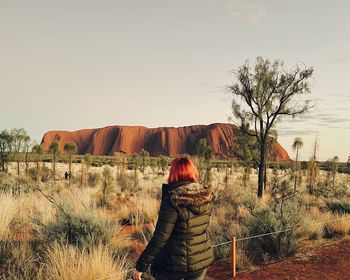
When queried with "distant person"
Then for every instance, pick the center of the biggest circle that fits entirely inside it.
(180, 248)
(66, 175)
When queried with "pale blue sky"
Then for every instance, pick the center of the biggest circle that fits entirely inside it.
(80, 64)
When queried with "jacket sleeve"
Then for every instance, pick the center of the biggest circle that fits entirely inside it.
(164, 227)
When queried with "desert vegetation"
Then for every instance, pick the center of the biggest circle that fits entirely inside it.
(53, 228)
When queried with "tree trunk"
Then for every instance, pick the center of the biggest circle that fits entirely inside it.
(18, 166)
(296, 171)
(27, 163)
(261, 171)
(245, 177)
(82, 174)
(37, 171)
(265, 177)
(54, 168)
(70, 170)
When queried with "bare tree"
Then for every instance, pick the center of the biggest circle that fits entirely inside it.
(261, 97)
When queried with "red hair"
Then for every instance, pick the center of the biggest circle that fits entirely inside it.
(182, 169)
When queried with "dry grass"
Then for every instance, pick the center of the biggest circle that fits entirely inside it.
(78, 198)
(44, 210)
(243, 262)
(8, 211)
(338, 228)
(145, 210)
(18, 261)
(69, 263)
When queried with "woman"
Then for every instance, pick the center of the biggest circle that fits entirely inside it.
(180, 248)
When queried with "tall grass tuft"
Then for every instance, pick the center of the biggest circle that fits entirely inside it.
(82, 229)
(66, 262)
(7, 213)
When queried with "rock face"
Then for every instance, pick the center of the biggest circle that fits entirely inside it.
(168, 141)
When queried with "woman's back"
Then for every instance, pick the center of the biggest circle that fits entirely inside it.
(180, 247)
(188, 248)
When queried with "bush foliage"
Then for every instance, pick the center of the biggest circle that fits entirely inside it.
(82, 229)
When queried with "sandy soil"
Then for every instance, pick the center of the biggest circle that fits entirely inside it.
(328, 262)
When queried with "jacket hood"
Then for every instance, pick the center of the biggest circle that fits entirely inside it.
(192, 195)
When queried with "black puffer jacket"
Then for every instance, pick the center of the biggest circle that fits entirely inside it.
(180, 242)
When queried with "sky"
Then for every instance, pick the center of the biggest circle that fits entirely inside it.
(69, 65)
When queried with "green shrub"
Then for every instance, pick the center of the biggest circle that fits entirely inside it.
(108, 188)
(339, 206)
(81, 229)
(93, 179)
(16, 185)
(327, 190)
(46, 174)
(218, 235)
(128, 182)
(278, 245)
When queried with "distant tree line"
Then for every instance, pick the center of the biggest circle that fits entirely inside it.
(16, 146)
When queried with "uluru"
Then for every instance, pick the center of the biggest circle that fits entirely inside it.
(169, 141)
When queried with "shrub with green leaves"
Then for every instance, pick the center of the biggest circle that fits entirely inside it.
(108, 188)
(129, 182)
(81, 229)
(284, 212)
(93, 179)
(326, 190)
(278, 245)
(16, 186)
(339, 206)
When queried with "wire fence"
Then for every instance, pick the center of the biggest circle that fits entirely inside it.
(234, 240)
(279, 231)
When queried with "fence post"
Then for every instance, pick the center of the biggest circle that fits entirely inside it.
(233, 257)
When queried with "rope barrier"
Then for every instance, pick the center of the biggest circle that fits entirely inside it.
(279, 231)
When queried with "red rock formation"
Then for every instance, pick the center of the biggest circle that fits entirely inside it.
(168, 141)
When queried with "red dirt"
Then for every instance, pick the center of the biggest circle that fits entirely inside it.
(327, 262)
(168, 141)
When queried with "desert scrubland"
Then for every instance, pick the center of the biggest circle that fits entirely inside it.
(96, 226)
